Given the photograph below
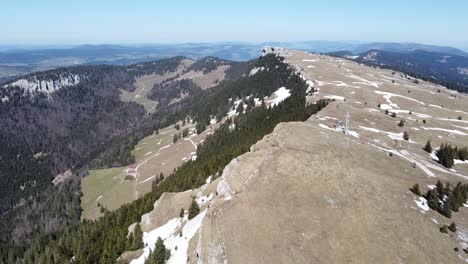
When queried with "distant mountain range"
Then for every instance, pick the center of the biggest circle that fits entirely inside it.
(407, 48)
(23, 59)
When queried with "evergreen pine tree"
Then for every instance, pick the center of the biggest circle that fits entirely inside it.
(444, 229)
(428, 147)
(446, 210)
(181, 214)
(194, 209)
(159, 255)
(415, 189)
(452, 227)
(137, 237)
(401, 123)
(406, 136)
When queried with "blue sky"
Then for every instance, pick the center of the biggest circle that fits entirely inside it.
(138, 21)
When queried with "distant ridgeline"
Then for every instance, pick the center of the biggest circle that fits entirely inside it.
(103, 241)
(448, 70)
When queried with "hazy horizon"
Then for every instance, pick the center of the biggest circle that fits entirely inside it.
(34, 46)
(70, 23)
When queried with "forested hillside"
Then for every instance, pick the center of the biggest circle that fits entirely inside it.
(68, 118)
(104, 240)
(44, 134)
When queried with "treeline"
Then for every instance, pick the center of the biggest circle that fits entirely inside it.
(103, 241)
(155, 67)
(208, 64)
(166, 92)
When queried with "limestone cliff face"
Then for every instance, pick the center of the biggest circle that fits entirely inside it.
(46, 86)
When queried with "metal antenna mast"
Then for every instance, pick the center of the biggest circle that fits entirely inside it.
(347, 122)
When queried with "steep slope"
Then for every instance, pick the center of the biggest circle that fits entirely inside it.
(310, 193)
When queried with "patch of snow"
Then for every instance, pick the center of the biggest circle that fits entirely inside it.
(335, 97)
(463, 236)
(256, 70)
(326, 118)
(466, 128)
(182, 243)
(453, 120)
(326, 127)
(456, 132)
(353, 133)
(436, 106)
(385, 107)
(147, 179)
(422, 204)
(209, 179)
(277, 51)
(279, 96)
(457, 161)
(213, 120)
(150, 238)
(202, 200)
(363, 81)
(456, 111)
(164, 147)
(387, 96)
(167, 233)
